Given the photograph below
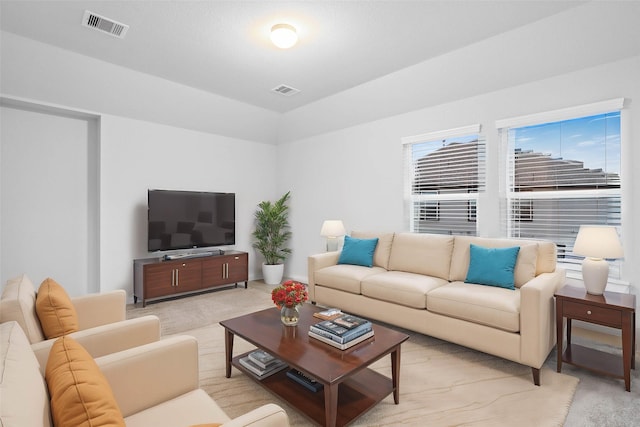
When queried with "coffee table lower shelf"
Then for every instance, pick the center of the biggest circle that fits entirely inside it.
(356, 395)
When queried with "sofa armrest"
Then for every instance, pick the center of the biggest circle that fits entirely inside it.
(151, 374)
(100, 309)
(269, 415)
(315, 263)
(537, 317)
(107, 339)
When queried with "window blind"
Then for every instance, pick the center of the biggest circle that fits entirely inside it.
(445, 171)
(560, 175)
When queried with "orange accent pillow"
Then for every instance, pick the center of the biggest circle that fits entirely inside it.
(207, 425)
(80, 393)
(55, 311)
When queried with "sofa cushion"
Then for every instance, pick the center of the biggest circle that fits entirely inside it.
(428, 254)
(486, 305)
(358, 251)
(400, 287)
(55, 311)
(492, 266)
(345, 277)
(18, 303)
(383, 249)
(80, 394)
(24, 401)
(192, 408)
(526, 263)
(547, 257)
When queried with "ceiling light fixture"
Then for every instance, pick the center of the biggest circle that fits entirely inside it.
(284, 36)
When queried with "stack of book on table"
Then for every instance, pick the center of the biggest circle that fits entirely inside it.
(262, 364)
(343, 331)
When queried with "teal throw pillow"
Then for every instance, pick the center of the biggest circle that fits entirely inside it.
(492, 266)
(358, 251)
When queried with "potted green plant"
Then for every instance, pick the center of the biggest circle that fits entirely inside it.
(271, 236)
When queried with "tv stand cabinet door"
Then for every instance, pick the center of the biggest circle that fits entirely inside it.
(159, 280)
(168, 278)
(225, 269)
(214, 271)
(188, 275)
(238, 269)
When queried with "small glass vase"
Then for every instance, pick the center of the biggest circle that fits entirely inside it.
(290, 315)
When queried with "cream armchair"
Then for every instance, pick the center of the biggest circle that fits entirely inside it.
(155, 384)
(102, 324)
(158, 385)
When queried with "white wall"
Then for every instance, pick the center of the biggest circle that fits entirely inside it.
(47, 227)
(356, 174)
(137, 155)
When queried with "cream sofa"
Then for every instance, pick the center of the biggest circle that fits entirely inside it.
(417, 282)
(103, 327)
(154, 385)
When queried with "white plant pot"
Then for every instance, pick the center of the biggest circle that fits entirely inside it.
(272, 274)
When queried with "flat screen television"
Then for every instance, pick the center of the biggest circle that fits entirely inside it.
(190, 219)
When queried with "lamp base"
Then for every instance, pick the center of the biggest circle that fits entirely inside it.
(332, 244)
(595, 272)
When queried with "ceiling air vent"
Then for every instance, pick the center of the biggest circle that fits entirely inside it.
(285, 90)
(103, 24)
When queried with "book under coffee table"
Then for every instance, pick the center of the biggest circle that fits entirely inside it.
(350, 388)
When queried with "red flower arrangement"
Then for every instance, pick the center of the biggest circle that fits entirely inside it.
(289, 294)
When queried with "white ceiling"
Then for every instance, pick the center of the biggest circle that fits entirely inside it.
(223, 47)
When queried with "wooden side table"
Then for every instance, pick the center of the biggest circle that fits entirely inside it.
(612, 309)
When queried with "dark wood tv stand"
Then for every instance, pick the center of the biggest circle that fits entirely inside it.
(157, 278)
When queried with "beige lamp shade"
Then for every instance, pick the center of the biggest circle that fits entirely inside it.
(598, 241)
(332, 228)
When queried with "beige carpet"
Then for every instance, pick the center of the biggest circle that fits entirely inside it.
(441, 384)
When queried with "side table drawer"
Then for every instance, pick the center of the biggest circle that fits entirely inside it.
(589, 313)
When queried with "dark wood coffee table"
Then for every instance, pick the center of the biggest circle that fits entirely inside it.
(350, 387)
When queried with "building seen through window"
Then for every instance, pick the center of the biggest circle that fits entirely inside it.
(446, 177)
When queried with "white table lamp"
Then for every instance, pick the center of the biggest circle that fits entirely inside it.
(332, 229)
(596, 242)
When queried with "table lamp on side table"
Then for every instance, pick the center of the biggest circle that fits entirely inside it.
(332, 229)
(595, 243)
